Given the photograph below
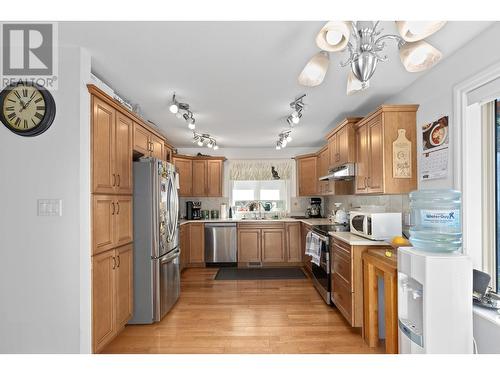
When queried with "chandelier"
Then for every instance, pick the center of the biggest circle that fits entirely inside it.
(365, 44)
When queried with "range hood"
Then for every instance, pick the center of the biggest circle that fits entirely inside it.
(343, 172)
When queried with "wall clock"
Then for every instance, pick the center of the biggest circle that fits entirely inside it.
(26, 108)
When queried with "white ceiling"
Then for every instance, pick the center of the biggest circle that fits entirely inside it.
(239, 77)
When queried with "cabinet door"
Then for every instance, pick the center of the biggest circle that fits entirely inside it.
(157, 147)
(185, 169)
(124, 230)
(103, 298)
(362, 150)
(273, 245)
(124, 274)
(375, 180)
(103, 146)
(343, 146)
(123, 154)
(184, 245)
(294, 241)
(197, 243)
(103, 223)
(199, 178)
(307, 176)
(333, 151)
(249, 243)
(214, 178)
(141, 140)
(168, 153)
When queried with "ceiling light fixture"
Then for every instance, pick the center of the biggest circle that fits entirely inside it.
(413, 31)
(315, 70)
(205, 140)
(174, 108)
(283, 139)
(365, 45)
(188, 117)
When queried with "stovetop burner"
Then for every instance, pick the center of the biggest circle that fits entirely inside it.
(324, 229)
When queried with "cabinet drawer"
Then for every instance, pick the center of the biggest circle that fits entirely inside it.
(342, 247)
(342, 297)
(342, 267)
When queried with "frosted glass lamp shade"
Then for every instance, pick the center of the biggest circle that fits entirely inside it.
(419, 56)
(354, 85)
(315, 70)
(334, 36)
(413, 31)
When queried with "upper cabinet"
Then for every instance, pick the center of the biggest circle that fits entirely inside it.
(199, 177)
(307, 175)
(375, 135)
(147, 143)
(111, 150)
(342, 143)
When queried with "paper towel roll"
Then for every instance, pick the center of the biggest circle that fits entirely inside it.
(223, 211)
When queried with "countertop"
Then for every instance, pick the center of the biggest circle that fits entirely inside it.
(354, 240)
(270, 221)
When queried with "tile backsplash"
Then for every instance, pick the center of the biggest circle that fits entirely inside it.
(206, 203)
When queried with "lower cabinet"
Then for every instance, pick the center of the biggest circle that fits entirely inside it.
(112, 293)
(196, 243)
(269, 243)
(184, 245)
(347, 279)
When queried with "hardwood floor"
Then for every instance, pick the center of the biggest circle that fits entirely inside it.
(265, 316)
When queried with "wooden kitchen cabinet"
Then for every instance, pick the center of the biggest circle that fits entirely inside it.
(342, 143)
(111, 150)
(157, 147)
(185, 235)
(185, 168)
(293, 242)
(200, 177)
(147, 143)
(249, 245)
(347, 279)
(112, 294)
(273, 245)
(214, 178)
(197, 244)
(322, 164)
(112, 222)
(168, 153)
(375, 135)
(124, 284)
(307, 175)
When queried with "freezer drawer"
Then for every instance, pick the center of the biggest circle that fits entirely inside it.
(220, 243)
(168, 287)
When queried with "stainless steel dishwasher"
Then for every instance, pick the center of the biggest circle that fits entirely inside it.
(220, 244)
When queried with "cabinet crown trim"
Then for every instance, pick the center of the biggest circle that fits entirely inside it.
(387, 108)
(347, 120)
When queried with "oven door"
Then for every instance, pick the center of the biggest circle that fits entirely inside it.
(321, 273)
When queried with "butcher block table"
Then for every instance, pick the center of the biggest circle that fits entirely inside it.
(376, 262)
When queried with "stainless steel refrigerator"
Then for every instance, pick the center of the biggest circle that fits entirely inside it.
(156, 240)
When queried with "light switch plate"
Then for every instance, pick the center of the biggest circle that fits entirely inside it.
(49, 207)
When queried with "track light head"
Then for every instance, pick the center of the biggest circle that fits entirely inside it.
(174, 107)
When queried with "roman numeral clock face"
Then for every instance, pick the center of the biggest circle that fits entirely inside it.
(27, 109)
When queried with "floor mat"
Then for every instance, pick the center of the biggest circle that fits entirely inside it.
(260, 273)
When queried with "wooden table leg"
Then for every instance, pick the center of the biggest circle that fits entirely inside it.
(370, 305)
(391, 313)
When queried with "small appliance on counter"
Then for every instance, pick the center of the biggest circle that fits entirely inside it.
(205, 214)
(341, 216)
(214, 214)
(314, 209)
(193, 210)
(376, 226)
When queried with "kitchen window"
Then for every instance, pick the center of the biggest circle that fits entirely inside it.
(271, 193)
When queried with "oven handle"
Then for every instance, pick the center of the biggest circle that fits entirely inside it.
(320, 236)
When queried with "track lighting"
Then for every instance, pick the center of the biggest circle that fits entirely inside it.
(188, 116)
(284, 138)
(205, 140)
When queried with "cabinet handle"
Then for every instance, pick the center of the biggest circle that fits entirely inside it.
(114, 262)
(118, 179)
(114, 179)
(366, 184)
(118, 266)
(113, 204)
(368, 181)
(118, 210)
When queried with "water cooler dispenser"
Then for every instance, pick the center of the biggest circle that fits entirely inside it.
(434, 302)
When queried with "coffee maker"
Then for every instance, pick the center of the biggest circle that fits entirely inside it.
(193, 210)
(314, 209)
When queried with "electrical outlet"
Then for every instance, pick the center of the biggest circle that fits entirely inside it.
(49, 207)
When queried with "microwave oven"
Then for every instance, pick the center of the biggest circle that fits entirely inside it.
(376, 225)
